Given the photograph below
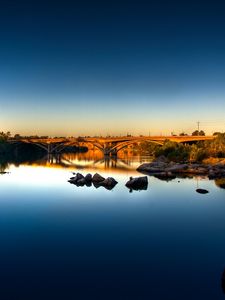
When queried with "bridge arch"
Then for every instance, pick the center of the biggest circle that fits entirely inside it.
(83, 142)
(115, 149)
(108, 146)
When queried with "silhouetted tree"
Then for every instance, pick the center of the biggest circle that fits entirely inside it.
(201, 133)
(4, 136)
(17, 136)
(196, 133)
(216, 133)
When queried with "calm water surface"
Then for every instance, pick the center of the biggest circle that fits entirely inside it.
(68, 242)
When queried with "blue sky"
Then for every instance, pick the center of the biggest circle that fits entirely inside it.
(111, 67)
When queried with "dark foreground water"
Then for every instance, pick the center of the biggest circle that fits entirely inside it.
(61, 241)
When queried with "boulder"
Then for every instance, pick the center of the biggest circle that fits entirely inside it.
(219, 166)
(81, 182)
(177, 168)
(216, 173)
(159, 165)
(212, 174)
(138, 183)
(162, 167)
(77, 177)
(202, 191)
(165, 176)
(88, 178)
(71, 181)
(97, 178)
(109, 183)
(197, 170)
(96, 185)
(151, 168)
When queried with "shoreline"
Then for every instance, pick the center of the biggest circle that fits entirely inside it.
(164, 169)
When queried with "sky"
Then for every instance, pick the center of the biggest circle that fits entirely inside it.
(111, 67)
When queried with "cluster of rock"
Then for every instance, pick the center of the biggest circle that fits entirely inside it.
(162, 168)
(138, 183)
(97, 180)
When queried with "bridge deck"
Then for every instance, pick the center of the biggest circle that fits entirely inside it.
(118, 139)
(109, 146)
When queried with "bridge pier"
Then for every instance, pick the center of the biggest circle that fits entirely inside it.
(106, 152)
(55, 148)
(49, 149)
(109, 149)
(54, 158)
(113, 152)
(109, 152)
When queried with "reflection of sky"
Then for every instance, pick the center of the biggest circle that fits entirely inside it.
(163, 237)
(30, 179)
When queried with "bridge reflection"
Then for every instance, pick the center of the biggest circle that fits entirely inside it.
(91, 161)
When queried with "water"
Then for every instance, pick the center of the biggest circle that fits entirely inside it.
(62, 241)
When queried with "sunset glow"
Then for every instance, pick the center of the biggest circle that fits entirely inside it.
(136, 75)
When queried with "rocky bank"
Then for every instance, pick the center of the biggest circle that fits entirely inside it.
(163, 168)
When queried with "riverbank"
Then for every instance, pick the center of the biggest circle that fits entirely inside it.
(163, 168)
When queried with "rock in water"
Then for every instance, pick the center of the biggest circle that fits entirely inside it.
(178, 168)
(88, 178)
(165, 176)
(97, 178)
(76, 178)
(81, 182)
(109, 183)
(202, 191)
(138, 183)
(151, 168)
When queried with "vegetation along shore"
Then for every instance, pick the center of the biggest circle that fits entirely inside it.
(172, 159)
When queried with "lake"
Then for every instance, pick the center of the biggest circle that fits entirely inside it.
(68, 242)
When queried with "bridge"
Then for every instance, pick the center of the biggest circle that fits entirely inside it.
(109, 146)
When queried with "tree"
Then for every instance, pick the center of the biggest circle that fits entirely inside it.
(216, 133)
(17, 136)
(201, 132)
(3, 136)
(196, 132)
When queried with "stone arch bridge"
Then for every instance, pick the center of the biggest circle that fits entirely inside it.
(108, 146)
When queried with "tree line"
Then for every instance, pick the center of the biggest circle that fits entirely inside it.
(189, 151)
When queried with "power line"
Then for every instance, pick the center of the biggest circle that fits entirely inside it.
(209, 122)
